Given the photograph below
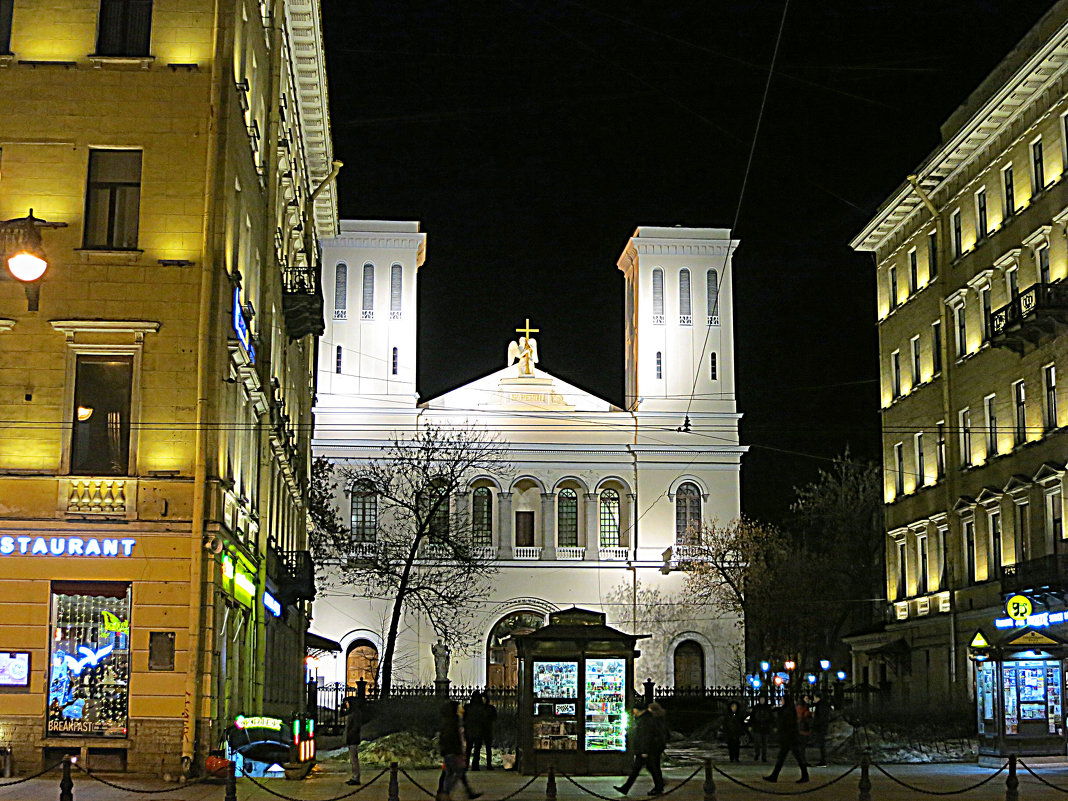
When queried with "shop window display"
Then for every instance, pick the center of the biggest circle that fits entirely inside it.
(89, 668)
(555, 698)
(606, 721)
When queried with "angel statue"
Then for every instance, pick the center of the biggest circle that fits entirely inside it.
(525, 351)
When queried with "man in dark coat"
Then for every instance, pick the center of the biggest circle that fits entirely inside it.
(821, 722)
(733, 729)
(650, 740)
(353, 724)
(789, 740)
(761, 722)
(479, 716)
(451, 745)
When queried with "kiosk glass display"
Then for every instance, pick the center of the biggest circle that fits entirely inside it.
(1032, 691)
(606, 721)
(555, 697)
(985, 697)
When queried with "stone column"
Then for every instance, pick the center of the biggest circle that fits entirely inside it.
(548, 525)
(505, 535)
(593, 535)
(632, 516)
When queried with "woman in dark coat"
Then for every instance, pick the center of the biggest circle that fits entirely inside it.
(451, 745)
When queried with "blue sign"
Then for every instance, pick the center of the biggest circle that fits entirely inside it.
(1037, 621)
(272, 604)
(244, 336)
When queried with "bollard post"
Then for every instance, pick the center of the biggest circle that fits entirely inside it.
(394, 786)
(550, 784)
(1012, 783)
(231, 782)
(865, 779)
(66, 784)
(710, 784)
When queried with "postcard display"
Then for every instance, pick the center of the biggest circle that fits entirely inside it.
(1032, 693)
(555, 702)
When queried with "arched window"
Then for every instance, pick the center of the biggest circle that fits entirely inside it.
(609, 519)
(567, 518)
(689, 661)
(364, 515)
(685, 309)
(396, 276)
(361, 663)
(341, 277)
(713, 372)
(687, 514)
(439, 517)
(337, 366)
(712, 296)
(502, 660)
(658, 296)
(482, 516)
(659, 365)
(368, 307)
(396, 362)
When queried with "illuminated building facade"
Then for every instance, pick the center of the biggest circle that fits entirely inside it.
(156, 396)
(971, 260)
(598, 496)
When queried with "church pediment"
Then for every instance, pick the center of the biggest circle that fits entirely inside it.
(503, 390)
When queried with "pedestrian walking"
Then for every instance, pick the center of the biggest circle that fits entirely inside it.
(479, 717)
(451, 745)
(650, 740)
(761, 722)
(789, 740)
(733, 729)
(353, 725)
(821, 723)
(804, 724)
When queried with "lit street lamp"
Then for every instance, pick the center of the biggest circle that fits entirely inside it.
(23, 251)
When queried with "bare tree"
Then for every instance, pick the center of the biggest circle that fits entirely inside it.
(410, 544)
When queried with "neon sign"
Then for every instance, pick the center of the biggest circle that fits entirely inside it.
(272, 604)
(90, 657)
(65, 546)
(1038, 621)
(243, 582)
(112, 623)
(244, 336)
(258, 723)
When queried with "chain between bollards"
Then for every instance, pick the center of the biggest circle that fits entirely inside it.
(394, 785)
(66, 783)
(231, 782)
(865, 779)
(710, 784)
(1012, 782)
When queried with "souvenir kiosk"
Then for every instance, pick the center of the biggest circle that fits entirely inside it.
(1019, 688)
(576, 685)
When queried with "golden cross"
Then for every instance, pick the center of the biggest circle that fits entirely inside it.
(527, 330)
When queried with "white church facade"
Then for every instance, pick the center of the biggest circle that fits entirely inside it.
(599, 498)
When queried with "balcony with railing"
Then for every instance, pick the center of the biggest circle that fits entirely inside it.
(570, 552)
(302, 301)
(1045, 572)
(99, 496)
(1037, 315)
(527, 552)
(612, 554)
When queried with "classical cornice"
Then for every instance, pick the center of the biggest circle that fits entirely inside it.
(136, 327)
(1013, 98)
(305, 38)
(381, 241)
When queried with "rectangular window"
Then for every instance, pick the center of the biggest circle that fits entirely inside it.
(659, 365)
(1019, 417)
(964, 423)
(969, 549)
(997, 561)
(713, 370)
(958, 236)
(89, 671)
(368, 291)
(980, 214)
(100, 434)
(914, 345)
(396, 361)
(936, 346)
(1049, 380)
(396, 278)
(932, 256)
(1012, 281)
(895, 372)
(914, 272)
(1009, 197)
(363, 516)
(960, 322)
(940, 451)
(1022, 536)
(902, 571)
(893, 287)
(6, 9)
(567, 519)
(990, 402)
(1042, 257)
(124, 28)
(899, 468)
(922, 564)
(524, 529)
(112, 200)
(921, 471)
(482, 517)
(337, 362)
(1038, 170)
(984, 300)
(161, 650)
(1054, 518)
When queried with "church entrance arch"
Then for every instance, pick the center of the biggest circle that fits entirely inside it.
(689, 664)
(502, 661)
(361, 663)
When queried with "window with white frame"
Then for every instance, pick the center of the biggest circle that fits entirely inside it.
(993, 520)
(341, 276)
(960, 327)
(659, 365)
(958, 234)
(936, 347)
(981, 227)
(1019, 416)
(609, 518)
(917, 450)
(396, 361)
(364, 515)
(1042, 259)
(713, 367)
(1022, 530)
(964, 425)
(914, 347)
(985, 313)
(892, 286)
(932, 256)
(482, 516)
(914, 272)
(337, 360)
(1054, 517)
(1012, 282)
(991, 408)
(902, 570)
(101, 417)
(112, 200)
(1049, 407)
(567, 518)
(367, 309)
(1008, 196)
(895, 374)
(685, 305)
(899, 468)
(396, 285)
(1038, 168)
(970, 561)
(658, 296)
(687, 514)
(712, 296)
(940, 451)
(922, 566)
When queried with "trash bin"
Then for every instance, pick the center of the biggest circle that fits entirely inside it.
(5, 761)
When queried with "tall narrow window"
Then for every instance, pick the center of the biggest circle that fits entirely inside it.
(609, 519)
(112, 200)
(892, 278)
(396, 278)
(6, 9)
(659, 365)
(940, 451)
(964, 424)
(980, 214)
(960, 322)
(936, 346)
(914, 272)
(914, 344)
(1019, 416)
(958, 236)
(990, 402)
(902, 570)
(1054, 518)
(658, 296)
(1038, 168)
(482, 516)
(1009, 189)
(1042, 257)
(1049, 381)
(1012, 281)
(921, 469)
(396, 362)
(713, 368)
(899, 468)
(895, 373)
(712, 296)
(124, 27)
(1022, 535)
(368, 307)
(438, 522)
(364, 506)
(685, 307)
(687, 514)
(567, 518)
(922, 566)
(341, 277)
(969, 549)
(994, 525)
(932, 256)
(337, 360)
(984, 303)
(100, 435)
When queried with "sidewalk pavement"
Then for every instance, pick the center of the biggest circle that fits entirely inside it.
(327, 782)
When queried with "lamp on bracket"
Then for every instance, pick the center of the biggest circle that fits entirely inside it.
(23, 252)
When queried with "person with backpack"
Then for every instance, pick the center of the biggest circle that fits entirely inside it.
(650, 740)
(789, 740)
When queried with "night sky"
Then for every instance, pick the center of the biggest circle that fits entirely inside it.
(530, 138)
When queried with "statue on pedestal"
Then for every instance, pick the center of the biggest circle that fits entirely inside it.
(525, 351)
(441, 660)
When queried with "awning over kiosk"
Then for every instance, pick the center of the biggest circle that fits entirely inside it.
(316, 644)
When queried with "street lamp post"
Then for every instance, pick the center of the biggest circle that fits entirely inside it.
(23, 251)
